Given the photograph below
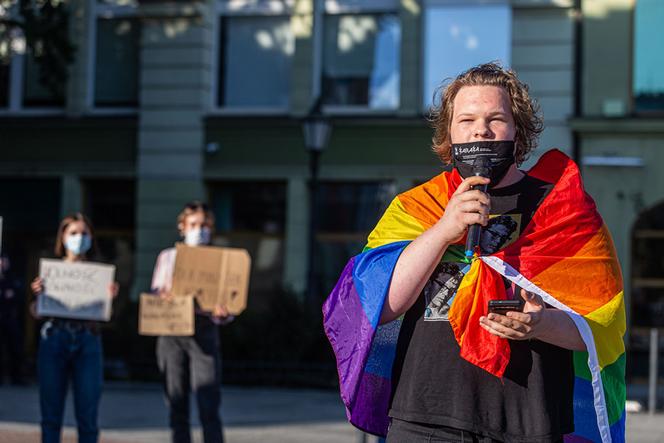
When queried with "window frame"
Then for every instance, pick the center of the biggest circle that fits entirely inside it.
(16, 90)
(351, 7)
(96, 11)
(242, 8)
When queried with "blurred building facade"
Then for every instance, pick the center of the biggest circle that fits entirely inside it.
(171, 101)
(620, 133)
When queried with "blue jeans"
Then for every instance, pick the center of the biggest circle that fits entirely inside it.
(69, 350)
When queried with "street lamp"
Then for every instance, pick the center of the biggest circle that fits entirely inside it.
(317, 131)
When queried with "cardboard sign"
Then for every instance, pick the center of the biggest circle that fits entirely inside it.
(158, 316)
(75, 290)
(235, 286)
(216, 276)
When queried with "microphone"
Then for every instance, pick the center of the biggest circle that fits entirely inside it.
(482, 168)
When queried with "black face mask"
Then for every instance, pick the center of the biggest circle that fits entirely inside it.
(501, 154)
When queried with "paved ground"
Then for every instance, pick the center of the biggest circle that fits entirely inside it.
(135, 413)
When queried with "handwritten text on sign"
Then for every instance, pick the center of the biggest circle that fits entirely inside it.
(216, 276)
(174, 316)
(75, 290)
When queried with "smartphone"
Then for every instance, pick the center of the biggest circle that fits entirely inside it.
(504, 306)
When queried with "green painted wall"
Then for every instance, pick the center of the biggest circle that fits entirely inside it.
(51, 142)
(268, 144)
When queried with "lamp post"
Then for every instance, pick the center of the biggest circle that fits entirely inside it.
(317, 131)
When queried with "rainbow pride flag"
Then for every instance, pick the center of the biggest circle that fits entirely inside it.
(565, 255)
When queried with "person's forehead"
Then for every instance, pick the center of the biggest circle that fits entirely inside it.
(196, 217)
(498, 228)
(471, 98)
(76, 226)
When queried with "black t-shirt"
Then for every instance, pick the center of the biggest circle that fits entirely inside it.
(432, 384)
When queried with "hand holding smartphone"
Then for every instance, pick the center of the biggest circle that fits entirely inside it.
(504, 306)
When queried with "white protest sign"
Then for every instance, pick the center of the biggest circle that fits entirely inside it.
(75, 290)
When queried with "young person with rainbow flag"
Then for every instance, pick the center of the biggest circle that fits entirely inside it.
(420, 357)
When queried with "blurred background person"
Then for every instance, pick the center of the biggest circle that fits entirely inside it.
(191, 363)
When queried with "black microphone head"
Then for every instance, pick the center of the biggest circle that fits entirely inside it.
(482, 166)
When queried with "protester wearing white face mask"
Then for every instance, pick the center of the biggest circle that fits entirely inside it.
(78, 244)
(70, 350)
(191, 364)
(197, 236)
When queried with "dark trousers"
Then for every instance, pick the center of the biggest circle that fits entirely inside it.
(11, 347)
(407, 432)
(193, 364)
(69, 351)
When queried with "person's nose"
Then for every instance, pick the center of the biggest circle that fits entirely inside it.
(481, 130)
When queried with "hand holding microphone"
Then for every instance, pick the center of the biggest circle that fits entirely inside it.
(468, 206)
(481, 168)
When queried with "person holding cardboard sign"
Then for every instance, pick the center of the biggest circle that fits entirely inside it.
(70, 349)
(191, 363)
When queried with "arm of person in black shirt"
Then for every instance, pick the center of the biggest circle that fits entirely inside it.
(419, 259)
(537, 321)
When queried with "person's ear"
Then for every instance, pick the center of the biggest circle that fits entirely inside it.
(181, 229)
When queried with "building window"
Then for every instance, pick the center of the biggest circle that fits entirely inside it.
(116, 62)
(111, 206)
(24, 85)
(35, 92)
(647, 295)
(4, 84)
(252, 215)
(28, 234)
(256, 54)
(361, 60)
(648, 57)
(459, 37)
(255, 45)
(648, 268)
(110, 203)
(114, 56)
(249, 206)
(347, 213)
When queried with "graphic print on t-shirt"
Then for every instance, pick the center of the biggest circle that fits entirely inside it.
(441, 288)
(500, 231)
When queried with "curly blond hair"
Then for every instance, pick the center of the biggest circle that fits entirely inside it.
(525, 111)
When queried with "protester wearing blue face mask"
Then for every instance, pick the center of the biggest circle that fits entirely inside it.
(70, 350)
(191, 364)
